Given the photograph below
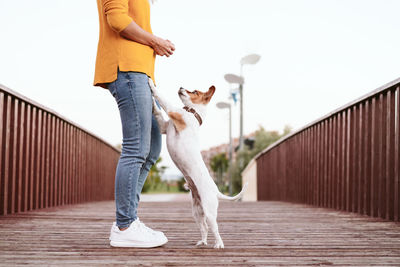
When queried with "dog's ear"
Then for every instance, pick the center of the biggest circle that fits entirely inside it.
(209, 94)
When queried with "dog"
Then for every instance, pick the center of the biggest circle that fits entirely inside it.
(182, 130)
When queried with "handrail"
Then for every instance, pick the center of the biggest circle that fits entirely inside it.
(347, 159)
(332, 113)
(38, 105)
(47, 160)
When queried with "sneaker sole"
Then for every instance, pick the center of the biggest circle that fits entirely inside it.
(121, 244)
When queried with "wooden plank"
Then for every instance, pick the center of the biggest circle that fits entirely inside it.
(390, 134)
(353, 160)
(361, 155)
(84, 166)
(6, 173)
(348, 148)
(396, 204)
(339, 164)
(330, 163)
(13, 156)
(33, 160)
(27, 154)
(62, 164)
(47, 162)
(57, 163)
(79, 166)
(3, 145)
(72, 173)
(335, 161)
(368, 157)
(2, 148)
(21, 167)
(325, 163)
(37, 161)
(276, 233)
(43, 161)
(344, 161)
(313, 166)
(67, 164)
(373, 199)
(52, 162)
(319, 165)
(382, 157)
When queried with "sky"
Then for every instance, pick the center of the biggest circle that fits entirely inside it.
(316, 55)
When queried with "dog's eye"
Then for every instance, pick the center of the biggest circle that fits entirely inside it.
(195, 92)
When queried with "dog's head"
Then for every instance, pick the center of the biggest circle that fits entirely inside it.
(195, 97)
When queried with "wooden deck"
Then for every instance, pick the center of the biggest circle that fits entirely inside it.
(255, 234)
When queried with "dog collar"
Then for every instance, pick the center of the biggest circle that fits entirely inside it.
(192, 110)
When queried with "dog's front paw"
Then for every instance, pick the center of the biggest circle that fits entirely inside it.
(201, 243)
(219, 245)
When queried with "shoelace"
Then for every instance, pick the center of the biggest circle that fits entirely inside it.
(143, 226)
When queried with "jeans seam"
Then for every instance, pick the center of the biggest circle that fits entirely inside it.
(133, 165)
(139, 127)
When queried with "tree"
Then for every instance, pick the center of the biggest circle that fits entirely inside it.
(181, 183)
(219, 164)
(153, 180)
(262, 140)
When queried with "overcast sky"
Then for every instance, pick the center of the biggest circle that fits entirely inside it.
(316, 56)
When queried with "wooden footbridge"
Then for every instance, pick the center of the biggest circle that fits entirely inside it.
(255, 234)
(328, 195)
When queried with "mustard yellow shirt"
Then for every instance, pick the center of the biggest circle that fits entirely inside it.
(114, 51)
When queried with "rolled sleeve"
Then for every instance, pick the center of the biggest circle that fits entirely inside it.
(116, 12)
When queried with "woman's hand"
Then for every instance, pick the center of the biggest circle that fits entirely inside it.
(162, 47)
(135, 33)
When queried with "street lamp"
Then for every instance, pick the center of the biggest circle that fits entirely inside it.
(223, 105)
(232, 78)
(249, 59)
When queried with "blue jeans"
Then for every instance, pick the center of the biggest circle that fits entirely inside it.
(141, 143)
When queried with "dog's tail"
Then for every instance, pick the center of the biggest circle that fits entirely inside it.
(238, 196)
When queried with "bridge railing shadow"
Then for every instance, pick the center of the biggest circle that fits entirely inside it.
(347, 160)
(46, 160)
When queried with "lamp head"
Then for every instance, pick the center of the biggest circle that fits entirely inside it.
(223, 105)
(232, 78)
(250, 59)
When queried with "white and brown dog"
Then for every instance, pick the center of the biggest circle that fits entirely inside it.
(183, 146)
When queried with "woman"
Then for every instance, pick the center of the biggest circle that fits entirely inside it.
(125, 60)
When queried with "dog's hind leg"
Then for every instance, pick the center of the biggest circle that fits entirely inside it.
(202, 222)
(199, 217)
(214, 228)
(162, 124)
(211, 214)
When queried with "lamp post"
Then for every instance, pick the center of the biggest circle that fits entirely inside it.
(223, 105)
(232, 78)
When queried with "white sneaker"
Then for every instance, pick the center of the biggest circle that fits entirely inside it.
(159, 233)
(137, 235)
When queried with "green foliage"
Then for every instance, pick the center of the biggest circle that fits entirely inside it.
(153, 181)
(262, 140)
(181, 182)
(219, 164)
(154, 184)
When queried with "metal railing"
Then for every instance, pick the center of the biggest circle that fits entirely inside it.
(47, 160)
(347, 160)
